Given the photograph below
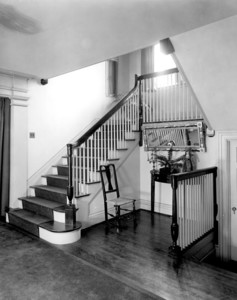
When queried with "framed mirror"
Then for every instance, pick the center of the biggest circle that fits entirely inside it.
(181, 135)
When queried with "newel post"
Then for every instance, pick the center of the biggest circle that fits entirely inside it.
(140, 115)
(174, 249)
(215, 207)
(70, 209)
(70, 186)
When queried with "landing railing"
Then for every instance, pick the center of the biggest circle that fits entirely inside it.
(167, 97)
(194, 207)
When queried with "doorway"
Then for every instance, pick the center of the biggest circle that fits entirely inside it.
(4, 154)
(233, 198)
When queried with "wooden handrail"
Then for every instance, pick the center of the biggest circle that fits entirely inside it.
(102, 121)
(140, 116)
(157, 74)
(192, 174)
(98, 124)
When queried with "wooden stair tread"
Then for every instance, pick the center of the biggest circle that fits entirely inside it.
(29, 216)
(43, 202)
(122, 149)
(55, 176)
(55, 226)
(60, 166)
(111, 159)
(51, 189)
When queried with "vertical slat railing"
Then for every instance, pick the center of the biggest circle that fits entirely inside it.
(165, 96)
(101, 144)
(156, 97)
(194, 206)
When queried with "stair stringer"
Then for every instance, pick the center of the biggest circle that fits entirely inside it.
(48, 167)
(91, 207)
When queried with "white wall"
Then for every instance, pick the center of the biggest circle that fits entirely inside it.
(129, 65)
(60, 110)
(208, 57)
(18, 171)
(206, 159)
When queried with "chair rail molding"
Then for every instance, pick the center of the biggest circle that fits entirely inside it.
(223, 193)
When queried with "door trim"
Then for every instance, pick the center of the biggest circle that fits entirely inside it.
(224, 199)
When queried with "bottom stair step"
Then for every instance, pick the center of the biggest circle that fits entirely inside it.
(55, 226)
(60, 233)
(41, 206)
(52, 231)
(27, 220)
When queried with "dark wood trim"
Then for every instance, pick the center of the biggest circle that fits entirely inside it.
(70, 186)
(174, 249)
(190, 246)
(192, 174)
(98, 124)
(140, 116)
(156, 74)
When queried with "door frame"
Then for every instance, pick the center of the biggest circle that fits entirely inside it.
(224, 197)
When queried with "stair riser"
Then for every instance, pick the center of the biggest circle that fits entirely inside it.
(45, 211)
(23, 224)
(57, 182)
(51, 195)
(62, 171)
(94, 152)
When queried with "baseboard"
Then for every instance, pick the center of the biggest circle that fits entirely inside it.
(162, 208)
(201, 249)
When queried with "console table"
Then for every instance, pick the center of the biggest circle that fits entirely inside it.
(157, 177)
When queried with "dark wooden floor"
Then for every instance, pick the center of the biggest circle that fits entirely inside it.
(139, 258)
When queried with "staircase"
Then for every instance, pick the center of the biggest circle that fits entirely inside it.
(45, 213)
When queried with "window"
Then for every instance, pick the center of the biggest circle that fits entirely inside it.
(162, 61)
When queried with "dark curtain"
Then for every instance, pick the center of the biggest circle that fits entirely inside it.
(5, 109)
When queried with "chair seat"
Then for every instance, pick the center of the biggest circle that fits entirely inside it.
(110, 188)
(121, 201)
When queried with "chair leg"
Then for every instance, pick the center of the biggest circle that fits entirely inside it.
(117, 209)
(134, 215)
(106, 217)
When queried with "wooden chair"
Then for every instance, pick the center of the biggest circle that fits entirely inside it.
(111, 195)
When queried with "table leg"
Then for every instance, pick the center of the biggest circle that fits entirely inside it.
(152, 192)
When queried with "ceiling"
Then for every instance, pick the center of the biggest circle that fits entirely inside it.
(47, 38)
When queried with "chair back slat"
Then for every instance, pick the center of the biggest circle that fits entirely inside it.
(109, 180)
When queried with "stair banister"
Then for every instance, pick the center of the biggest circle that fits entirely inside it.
(70, 210)
(106, 117)
(151, 100)
(89, 133)
(140, 115)
(194, 208)
(70, 186)
(174, 248)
